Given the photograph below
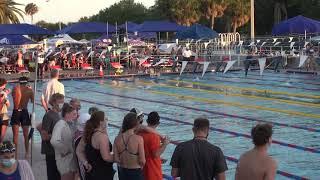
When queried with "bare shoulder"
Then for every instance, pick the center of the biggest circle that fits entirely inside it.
(272, 162)
(245, 155)
(138, 138)
(100, 136)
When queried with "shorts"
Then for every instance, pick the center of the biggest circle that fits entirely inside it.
(4, 119)
(20, 117)
(66, 164)
(132, 174)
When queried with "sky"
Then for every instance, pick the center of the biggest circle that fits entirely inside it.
(69, 10)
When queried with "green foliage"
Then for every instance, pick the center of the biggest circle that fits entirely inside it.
(31, 9)
(186, 12)
(235, 16)
(9, 12)
(125, 10)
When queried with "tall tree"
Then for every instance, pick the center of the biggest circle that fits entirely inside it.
(125, 10)
(9, 12)
(280, 11)
(240, 13)
(214, 9)
(31, 9)
(186, 12)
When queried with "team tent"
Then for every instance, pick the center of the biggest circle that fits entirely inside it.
(87, 27)
(132, 27)
(297, 25)
(197, 31)
(22, 29)
(8, 40)
(61, 39)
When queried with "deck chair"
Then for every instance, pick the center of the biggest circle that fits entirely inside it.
(88, 69)
(118, 67)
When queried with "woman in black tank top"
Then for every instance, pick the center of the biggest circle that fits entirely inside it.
(101, 169)
(94, 150)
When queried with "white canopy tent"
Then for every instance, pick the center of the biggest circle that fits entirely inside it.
(61, 39)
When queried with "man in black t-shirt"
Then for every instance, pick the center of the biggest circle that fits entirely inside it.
(46, 128)
(197, 159)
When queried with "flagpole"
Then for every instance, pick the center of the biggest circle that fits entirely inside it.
(33, 115)
(117, 32)
(107, 29)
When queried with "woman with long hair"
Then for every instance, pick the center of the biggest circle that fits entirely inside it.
(129, 150)
(61, 141)
(94, 149)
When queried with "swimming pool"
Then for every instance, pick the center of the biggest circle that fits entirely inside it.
(232, 103)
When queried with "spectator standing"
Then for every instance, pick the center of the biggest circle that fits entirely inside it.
(52, 87)
(22, 94)
(153, 148)
(197, 158)
(46, 128)
(61, 141)
(4, 105)
(256, 163)
(94, 150)
(129, 150)
(40, 59)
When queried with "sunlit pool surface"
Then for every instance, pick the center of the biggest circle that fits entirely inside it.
(233, 104)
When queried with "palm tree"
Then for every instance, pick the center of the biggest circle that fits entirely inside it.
(240, 13)
(31, 9)
(186, 12)
(9, 13)
(213, 9)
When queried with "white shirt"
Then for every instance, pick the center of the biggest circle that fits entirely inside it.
(40, 58)
(187, 53)
(52, 87)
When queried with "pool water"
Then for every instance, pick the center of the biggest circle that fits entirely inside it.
(232, 103)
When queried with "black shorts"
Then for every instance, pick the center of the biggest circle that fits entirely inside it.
(20, 117)
(3, 122)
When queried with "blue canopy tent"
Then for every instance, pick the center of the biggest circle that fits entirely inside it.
(132, 27)
(197, 31)
(297, 25)
(143, 35)
(159, 26)
(87, 27)
(14, 40)
(22, 29)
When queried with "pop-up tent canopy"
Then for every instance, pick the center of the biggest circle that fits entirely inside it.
(87, 27)
(143, 35)
(197, 31)
(61, 39)
(15, 40)
(132, 27)
(159, 26)
(22, 29)
(297, 25)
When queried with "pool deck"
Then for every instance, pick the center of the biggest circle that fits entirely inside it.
(81, 74)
